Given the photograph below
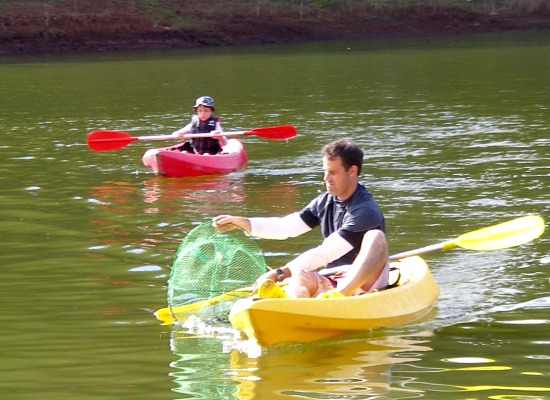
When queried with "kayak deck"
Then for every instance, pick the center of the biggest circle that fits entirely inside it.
(273, 321)
(171, 162)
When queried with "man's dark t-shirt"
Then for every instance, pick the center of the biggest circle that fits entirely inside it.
(350, 218)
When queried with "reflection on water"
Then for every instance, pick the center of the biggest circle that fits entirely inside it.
(203, 192)
(336, 369)
(150, 217)
(517, 366)
(365, 366)
(160, 193)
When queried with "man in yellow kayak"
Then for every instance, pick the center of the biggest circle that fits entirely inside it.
(352, 225)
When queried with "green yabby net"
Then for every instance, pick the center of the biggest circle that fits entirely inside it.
(209, 264)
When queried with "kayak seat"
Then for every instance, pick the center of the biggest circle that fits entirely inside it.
(394, 279)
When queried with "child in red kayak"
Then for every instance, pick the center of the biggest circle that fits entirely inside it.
(203, 122)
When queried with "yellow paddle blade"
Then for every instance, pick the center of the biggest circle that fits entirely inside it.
(508, 234)
(164, 315)
(180, 313)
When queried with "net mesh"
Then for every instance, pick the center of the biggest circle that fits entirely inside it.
(209, 264)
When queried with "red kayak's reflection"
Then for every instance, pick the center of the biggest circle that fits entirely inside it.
(161, 195)
(205, 193)
(158, 210)
(210, 194)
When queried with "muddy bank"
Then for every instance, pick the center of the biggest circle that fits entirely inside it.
(62, 27)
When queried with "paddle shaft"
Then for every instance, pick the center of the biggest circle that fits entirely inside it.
(189, 136)
(423, 250)
(112, 140)
(168, 314)
(507, 234)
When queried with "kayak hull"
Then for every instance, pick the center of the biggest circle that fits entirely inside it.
(274, 321)
(171, 162)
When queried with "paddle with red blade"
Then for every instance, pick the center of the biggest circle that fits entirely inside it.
(113, 140)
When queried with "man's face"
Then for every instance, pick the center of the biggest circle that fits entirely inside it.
(338, 181)
(204, 112)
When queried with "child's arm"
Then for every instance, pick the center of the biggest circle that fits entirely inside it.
(219, 134)
(182, 131)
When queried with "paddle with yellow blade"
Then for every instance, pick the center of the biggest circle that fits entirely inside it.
(170, 314)
(508, 234)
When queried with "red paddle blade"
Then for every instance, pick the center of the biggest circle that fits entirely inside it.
(280, 132)
(108, 140)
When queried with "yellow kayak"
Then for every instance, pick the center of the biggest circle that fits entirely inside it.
(274, 321)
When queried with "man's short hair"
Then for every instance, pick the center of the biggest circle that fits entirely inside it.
(349, 153)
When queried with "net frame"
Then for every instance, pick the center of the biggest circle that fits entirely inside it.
(209, 267)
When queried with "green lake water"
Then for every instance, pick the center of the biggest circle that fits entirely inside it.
(456, 137)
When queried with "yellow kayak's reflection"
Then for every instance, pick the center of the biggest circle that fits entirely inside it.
(325, 369)
(357, 367)
(374, 366)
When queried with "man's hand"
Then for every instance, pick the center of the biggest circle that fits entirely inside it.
(225, 223)
(272, 274)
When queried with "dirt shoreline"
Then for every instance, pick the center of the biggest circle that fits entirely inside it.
(25, 31)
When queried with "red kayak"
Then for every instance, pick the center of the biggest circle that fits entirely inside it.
(171, 162)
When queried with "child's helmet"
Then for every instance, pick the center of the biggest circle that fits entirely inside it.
(204, 101)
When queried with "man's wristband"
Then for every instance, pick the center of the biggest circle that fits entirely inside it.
(280, 275)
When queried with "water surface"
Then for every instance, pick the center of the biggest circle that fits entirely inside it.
(455, 133)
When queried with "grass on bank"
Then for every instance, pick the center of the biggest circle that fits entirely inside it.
(184, 10)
